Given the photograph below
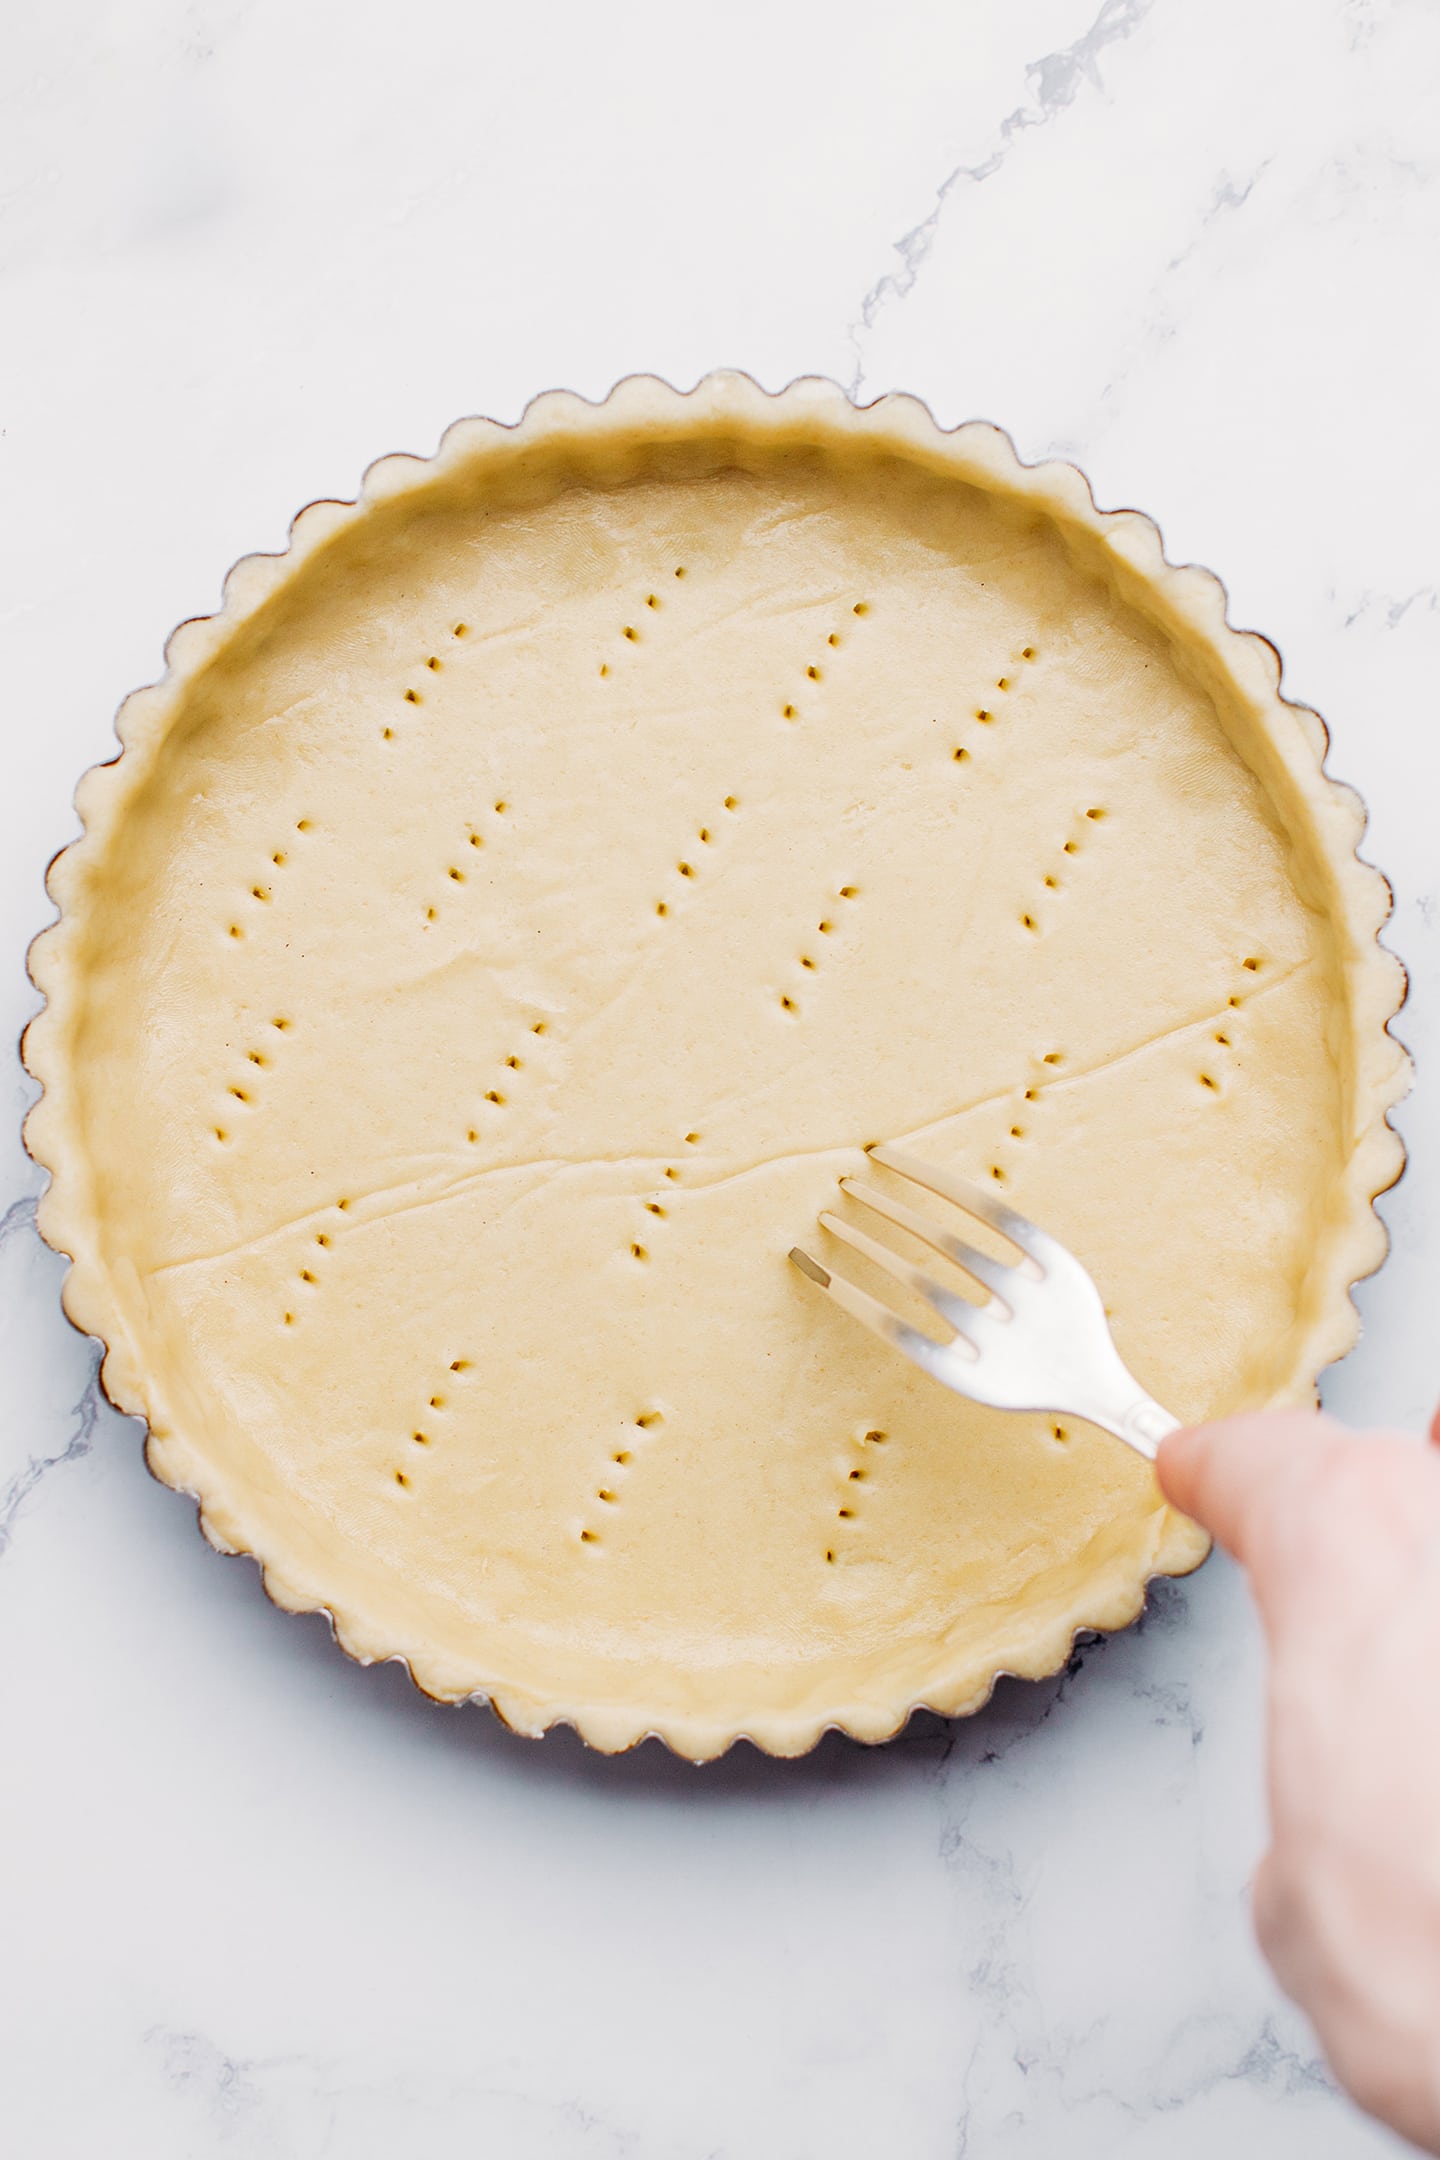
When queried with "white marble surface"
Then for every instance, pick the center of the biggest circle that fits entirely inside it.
(255, 1901)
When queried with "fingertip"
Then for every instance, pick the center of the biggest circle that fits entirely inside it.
(1187, 1458)
(1221, 1473)
(1177, 1466)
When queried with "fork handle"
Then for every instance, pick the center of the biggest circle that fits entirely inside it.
(1142, 1426)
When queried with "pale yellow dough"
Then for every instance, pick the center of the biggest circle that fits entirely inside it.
(519, 908)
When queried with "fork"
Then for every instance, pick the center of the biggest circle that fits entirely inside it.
(1040, 1341)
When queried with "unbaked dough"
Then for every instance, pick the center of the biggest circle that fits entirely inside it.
(517, 911)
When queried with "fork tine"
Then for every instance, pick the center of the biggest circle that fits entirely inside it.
(973, 1198)
(952, 1309)
(868, 1310)
(991, 1273)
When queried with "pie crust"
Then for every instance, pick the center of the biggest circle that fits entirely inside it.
(515, 910)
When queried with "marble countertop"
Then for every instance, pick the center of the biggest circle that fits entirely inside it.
(257, 1902)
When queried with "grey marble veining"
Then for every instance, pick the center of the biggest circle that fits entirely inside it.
(1053, 82)
(256, 1902)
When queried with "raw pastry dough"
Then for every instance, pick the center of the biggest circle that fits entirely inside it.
(515, 912)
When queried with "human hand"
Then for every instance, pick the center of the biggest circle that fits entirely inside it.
(1339, 1533)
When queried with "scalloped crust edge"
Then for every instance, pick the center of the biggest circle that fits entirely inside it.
(1194, 601)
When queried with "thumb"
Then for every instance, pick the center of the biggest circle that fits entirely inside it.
(1435, 1428)
(1229, 1474)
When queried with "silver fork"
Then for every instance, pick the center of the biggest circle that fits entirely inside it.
(1039, 1342)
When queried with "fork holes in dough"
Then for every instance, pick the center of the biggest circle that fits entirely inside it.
(861, 607)
(875, 1437)
(653, 1207)
(788, 712)
(652, 599)
(621, 1456)
(255, 1057)
(412, 697)
(813, 673)
(632, 633)
(458, 875)
(1028, 921)
(849, 892)
(997, 1173)
(825, 928)
(239, 1094)
(647, 1418)
(220, 1133)
(461, 630)
(661, 908)
(1207, 1082)
(960, 755)
(834, 638)
(685, 869)
(806, 961)
(671, 1172)
(513, 1063)
(845, 1514)
(1252, 965)
(638, 1252)
(588, 1537)
(982, 714)
(787, 1004)
(460, 1364)
(236, 931)
(1027, 652)
(1059, 1432)
(494, 1095)
(1097, 813)
(692, 1139)
(732, 802)
(1053, 1057)
(303, 824)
